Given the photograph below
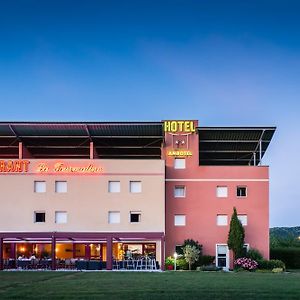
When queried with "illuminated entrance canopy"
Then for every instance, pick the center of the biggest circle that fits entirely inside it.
(179, 126)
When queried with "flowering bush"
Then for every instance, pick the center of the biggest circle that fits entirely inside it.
(246, 263)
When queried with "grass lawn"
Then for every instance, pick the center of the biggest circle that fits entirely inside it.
(134, 285)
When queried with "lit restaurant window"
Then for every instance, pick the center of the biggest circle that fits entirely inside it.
(135, 186)
(61, 217)
(39, 217)
(61, 187)
(40, 186)
(222, 191)
(179, 220)
(179, 191)
(179, 163)
(114, 187)
(114, 217)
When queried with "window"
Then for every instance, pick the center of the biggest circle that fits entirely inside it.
(135, 186)
(179, 191)
(222, 220)
(61, 187)
(114, 217)
(243, 219)
(135, 217)
(222, 191)
(179, 163)
(40, 186)
(61, 217)
(114, 187)
(39, 217)
(179, 220)
(179, 249)
(222, 256)
(241, 191)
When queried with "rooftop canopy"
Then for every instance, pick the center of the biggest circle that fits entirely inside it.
(72, 139)
(233, 145)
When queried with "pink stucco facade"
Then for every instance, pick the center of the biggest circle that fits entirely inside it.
(200, 206)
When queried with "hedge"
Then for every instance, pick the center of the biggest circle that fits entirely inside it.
(290, 256)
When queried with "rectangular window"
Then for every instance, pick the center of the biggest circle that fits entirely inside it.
(135, 186)
(61, 217)
(40, 186)
(179, 249)
(179, 220)
(222, 220)
(114, 217)
(222, 256)
(39, 217)
(243, 219)
(179, 191)
(179, 163)
(241, 191)
(61, 187)
(135, 217)
(222, 191)
(114, 186)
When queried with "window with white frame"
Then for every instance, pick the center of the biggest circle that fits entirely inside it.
(135, 216)
(61, 217)
(114, 217)
(222, 251)
(222, 191)
(135, 186)
(61, 187)
(179, 220)
(241, 191)
(114, 186)
(222, 220)
(40, 186)
(179, 163)
(39, 217)
(179, 191)
(243, 219)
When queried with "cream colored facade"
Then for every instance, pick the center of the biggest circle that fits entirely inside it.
(87, 200)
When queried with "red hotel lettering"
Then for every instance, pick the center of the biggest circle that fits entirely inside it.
(11, 166)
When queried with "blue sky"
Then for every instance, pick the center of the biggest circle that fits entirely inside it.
(229, 63)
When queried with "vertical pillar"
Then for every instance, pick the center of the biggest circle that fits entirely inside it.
(1, 253)
(162, 256)
(87, 251)
(260, 152)
(23, 151)
(254, 159)
(20, 150)
(74, 250)
(101, 251)
(12, 254)
(53, 254)
(109, 255)
(93, 152)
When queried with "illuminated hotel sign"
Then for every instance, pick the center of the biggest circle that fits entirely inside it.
(180, 153)
(179, 126)
(14, 166)
(62, 168)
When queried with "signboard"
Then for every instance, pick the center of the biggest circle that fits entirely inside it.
(14, 166)
(63, 168)
(179, 153)
(179, 126)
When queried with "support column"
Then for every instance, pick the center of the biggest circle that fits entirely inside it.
(23, 151)
(101, 251)
(74, 250)
(93, 152)
(1, 253)
(162, 256)
(87, 251)
(109, 255)
(12, 254)
(53, 254)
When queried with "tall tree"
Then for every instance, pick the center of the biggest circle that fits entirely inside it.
(236, 236)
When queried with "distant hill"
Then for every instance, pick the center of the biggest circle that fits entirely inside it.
(285, 232)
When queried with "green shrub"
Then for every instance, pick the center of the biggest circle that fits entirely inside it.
(210, 268)
(254, 254)
(181, 264)
(270, 264)
(205, 260)
(290, 256)
(169, 261)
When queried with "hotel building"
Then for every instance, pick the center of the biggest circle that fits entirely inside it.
(102, 190)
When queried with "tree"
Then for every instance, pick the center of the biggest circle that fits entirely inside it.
(191, 254)
(236, 236)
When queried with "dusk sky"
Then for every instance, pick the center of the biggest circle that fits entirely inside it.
(224, 63)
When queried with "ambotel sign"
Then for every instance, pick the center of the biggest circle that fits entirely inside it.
(179, 126)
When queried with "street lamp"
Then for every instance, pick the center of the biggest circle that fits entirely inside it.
(175, 257)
